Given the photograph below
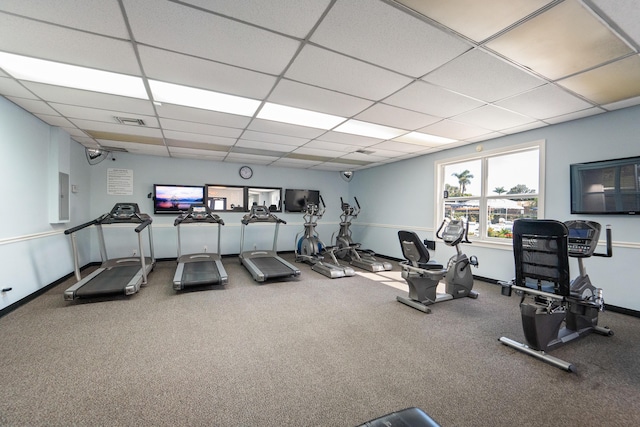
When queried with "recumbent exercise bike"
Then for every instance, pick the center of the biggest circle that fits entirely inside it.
(541, 250)
(423, 274)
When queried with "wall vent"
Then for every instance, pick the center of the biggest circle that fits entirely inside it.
(130, 121)
(365, 151)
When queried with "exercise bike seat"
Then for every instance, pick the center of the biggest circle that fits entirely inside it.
(416, 252)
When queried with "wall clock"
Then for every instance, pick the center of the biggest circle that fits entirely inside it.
(246, 172)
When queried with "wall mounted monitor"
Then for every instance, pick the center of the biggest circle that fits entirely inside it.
(294, 200)
(174, 199)
(606, 187)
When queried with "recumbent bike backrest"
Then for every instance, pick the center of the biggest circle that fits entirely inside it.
(415, 251)
(541, 253)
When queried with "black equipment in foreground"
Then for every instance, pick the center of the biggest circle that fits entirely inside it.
(310, 249)
(350, 251)
(423, 275)
(410, 417)
(199, 269)
(264, 264)
(541, 250)
(116, 276)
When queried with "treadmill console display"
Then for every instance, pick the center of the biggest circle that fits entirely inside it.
(124, 211)
(583, 237)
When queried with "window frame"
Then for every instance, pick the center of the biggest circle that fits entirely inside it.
(485, 193)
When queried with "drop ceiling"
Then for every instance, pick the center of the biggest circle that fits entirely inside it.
(432, 74)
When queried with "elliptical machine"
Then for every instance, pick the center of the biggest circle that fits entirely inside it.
(350, 251)
(310, 249)
(541, 250)
(423, 274)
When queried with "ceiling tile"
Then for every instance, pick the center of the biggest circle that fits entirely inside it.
(622, 104)
(198, 137)
(182, 126)
(96, 16)
(493, 118)
(398, 146)
(179, 112)
(261, 145)
(577, 115)
(545, 102)
(10, 87)
(330, 70)
(56, 120)
(363, 157)
(483, 76)
(295, 163)
(429, 99)
(332, 146)
(269, 126)
(193, 153)
(34, 106)
(108, 116)
(293, 17)
(249, 158)
(84, 98)
(195, 72)
(383, 35)
(135, 148)
(270, 137)
(91, 125)
(396, 117)
(318, 152)
(45, 41)
(561, 41)
(474, 19)
(346, 138)
(295, 94)
(610, 83)
(188, 30)
(624, 14)
(454, 130)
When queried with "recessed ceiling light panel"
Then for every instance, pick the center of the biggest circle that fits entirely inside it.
(299, 116)
(372, 130)
(55, 73)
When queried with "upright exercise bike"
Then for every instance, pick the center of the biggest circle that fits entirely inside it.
(541, 251)
(310, 249)
(348, 250)
(423, 274)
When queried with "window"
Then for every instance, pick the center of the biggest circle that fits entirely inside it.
(491, 190)
(225, 198)
(271, 197)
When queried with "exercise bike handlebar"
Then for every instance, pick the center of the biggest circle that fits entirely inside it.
(465, 236)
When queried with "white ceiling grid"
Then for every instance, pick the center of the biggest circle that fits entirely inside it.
(462, 70)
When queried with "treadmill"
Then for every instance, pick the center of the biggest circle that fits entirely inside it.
(116, 276)
(264, 264)
(199, 269)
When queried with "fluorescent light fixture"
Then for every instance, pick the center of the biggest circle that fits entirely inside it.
(54, 73)
(357, 127)
(204, 99)
(420, 138)
(299, 116)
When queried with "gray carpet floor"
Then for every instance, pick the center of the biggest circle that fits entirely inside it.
(305, 352)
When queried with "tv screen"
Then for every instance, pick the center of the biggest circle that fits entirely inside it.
(606, 187)
(174, 199)
(294, 200)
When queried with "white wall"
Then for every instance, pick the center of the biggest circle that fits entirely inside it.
(33, 252)
(401, 196)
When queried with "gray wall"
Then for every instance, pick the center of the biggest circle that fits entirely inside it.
(401, 196)
(397, 196)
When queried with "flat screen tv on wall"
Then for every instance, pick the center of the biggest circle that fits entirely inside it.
(294, 200)
(174, 199)
(606, 187)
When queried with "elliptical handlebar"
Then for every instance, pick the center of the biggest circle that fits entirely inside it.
(609, 252)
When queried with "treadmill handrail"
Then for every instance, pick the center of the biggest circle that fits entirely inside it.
(142, 226)
(86, 224)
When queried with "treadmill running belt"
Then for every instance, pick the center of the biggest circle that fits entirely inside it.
(200, 273)
(111, 281)
(272, 267)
